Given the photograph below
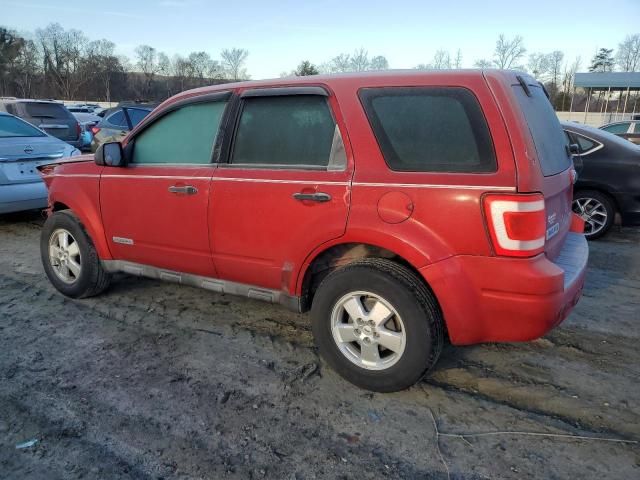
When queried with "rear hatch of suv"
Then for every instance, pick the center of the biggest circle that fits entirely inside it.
(553, 160)
(51, 117)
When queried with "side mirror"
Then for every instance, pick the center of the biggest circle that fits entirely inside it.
(574, 149)
(110, 155)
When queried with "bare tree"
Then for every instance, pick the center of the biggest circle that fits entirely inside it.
(457, 62)
(508, 52)
(26, 68)
(233, 61)
(441, 60)
(379, 63)
(359, 61)
(482, 63)
(628, 55)
(555, 60)
(180, 70)
(64, 59)
(102, 60)
(340, 63)
(147, 63)
(538, 65)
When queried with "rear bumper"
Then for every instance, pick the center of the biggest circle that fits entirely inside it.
(22, 196)
(499, 299)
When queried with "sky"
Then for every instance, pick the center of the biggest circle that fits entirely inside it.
(280, 34)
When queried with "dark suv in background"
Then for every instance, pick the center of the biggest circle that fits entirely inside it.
(117, 122)
(48, 115)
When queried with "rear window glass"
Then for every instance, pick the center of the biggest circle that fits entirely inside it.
(547, 134)
(46, 110)
(12, 127)
(430, 129)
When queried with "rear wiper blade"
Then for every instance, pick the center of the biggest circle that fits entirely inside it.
(524, 85)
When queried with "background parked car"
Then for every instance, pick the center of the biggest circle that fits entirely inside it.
(608, 178)
(629, 130)
(48, 115)
(87, 121)
(117, 122)
(22, 148)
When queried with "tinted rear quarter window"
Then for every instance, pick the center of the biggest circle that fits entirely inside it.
(430, 129)
(546, 132)
(46, 110)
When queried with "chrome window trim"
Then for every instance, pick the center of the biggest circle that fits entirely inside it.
(598, 146)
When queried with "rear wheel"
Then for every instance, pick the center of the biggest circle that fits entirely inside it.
(69, 258)
(597, 211)
(377, 324)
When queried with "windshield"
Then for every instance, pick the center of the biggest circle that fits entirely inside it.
(14, 127)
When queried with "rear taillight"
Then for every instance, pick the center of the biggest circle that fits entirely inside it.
(78, 129)
(516, 223)
(95, 130)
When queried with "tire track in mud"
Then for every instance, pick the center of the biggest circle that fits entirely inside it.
(475, 379)
(123, 349)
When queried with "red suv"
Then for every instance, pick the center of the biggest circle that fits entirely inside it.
(399, 207)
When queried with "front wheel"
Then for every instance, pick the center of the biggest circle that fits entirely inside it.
(377, 324)
(69, 258)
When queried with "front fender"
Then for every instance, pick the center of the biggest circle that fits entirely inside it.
(80, 193)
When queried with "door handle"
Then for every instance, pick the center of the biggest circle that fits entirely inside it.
(183, 189)
(312, 197)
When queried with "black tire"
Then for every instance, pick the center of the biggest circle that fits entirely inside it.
(412, 300)
(605, 201)
(92, 279)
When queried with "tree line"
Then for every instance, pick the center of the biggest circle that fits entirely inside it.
(57, 63)
(65, 64)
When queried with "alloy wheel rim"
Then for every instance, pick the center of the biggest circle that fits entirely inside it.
(368, 330)
(64, 256)
(592, 212)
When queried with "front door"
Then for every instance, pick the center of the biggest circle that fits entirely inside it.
(284, 189)
(154, 210)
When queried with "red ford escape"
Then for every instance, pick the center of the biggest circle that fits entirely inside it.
(400, 208)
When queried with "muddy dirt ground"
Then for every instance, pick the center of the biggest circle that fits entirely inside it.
(153, 380)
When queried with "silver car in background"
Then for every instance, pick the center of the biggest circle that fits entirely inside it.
(22, 148)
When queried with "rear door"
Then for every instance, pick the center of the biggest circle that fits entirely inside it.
(154, 210)
(284, 189)
(554, 160)
(53, 118)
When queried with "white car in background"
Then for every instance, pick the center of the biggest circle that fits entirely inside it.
(22, 148)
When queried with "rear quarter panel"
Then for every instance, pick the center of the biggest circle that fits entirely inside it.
(446, 215)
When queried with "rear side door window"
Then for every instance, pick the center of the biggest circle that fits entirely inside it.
(430, 129)
(117, 119)
(295, 131)
(184, 136)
